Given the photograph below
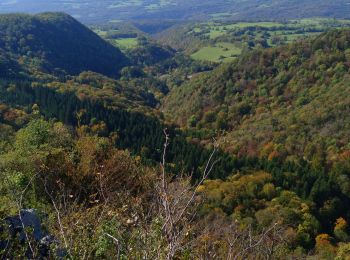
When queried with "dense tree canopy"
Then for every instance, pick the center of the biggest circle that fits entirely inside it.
(56, 42)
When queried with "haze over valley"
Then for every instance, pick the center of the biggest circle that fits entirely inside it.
(113, 10)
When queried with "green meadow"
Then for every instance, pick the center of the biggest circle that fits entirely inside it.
(223, 41)
(126, 43)
(221, 52)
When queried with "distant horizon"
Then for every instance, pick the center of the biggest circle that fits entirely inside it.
(107, 11)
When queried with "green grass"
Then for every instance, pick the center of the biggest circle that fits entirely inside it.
(296, 36)
(215, 34)
(221, 52)
(122, 43)
(290, 37)
(219, 32)
(246, 24)
(126, 43)
(101, 33)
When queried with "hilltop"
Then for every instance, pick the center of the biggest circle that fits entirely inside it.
(56, 42)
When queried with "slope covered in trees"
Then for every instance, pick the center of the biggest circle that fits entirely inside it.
(291, 95)
(93, 194)
(92, 191)
(288, 108)
(56, 42)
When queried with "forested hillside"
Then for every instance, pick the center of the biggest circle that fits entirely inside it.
(287, 106)
(290, 95)
(57, 43)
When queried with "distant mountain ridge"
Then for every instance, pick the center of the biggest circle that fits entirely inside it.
(56, 41)
(102, 11)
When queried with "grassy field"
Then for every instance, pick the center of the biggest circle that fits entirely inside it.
(215, 30)
(221, 52)
(126, 43)
(245, 25)
(216, 33)
(101, 33)
(122, 36)
(222, 40)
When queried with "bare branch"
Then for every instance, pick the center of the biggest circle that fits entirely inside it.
(116, 242)
(58, 217)
(19, 203)
(175, 201)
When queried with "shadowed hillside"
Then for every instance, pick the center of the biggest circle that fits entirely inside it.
(56, 41)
